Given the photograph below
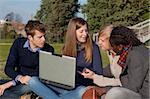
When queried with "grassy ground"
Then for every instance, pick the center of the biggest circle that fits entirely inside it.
(4, 50)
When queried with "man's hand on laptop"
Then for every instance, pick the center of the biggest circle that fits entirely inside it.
(24, 79)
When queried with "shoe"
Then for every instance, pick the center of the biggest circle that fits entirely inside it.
(34, 96)
(26, 96)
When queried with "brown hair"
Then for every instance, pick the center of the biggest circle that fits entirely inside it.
(33, 25)
(70, 46)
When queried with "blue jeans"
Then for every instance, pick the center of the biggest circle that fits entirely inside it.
(14, 92)
(51, 92)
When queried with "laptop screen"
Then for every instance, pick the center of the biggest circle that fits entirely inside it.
(57, 70)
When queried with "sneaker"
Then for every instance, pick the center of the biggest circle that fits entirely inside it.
(26, 96)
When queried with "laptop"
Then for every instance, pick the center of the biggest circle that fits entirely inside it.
(57, 70)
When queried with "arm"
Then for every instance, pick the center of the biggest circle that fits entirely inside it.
(4, 86)
(100, 80)
(97, 67)
(12, 61)
(138, 64)
(25, 79)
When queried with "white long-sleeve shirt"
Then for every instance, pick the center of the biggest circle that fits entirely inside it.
(115, 69)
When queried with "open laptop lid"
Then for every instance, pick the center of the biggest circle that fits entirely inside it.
(57, 70)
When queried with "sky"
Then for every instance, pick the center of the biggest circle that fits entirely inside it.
(25, 8)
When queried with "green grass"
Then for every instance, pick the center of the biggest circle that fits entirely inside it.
(4, 50)
(6, 40)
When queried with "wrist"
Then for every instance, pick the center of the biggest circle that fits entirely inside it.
(18, 78)
(8, 84)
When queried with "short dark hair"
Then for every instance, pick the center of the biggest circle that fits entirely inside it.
(33, 25)
(123, 35)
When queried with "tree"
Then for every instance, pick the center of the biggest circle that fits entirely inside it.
(8, 31)
(9, 16)
(125, 12)
(56, 15)
(13, 17)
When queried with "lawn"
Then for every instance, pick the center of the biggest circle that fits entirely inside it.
(4, 50)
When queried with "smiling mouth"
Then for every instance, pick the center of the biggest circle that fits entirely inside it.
(83, 38)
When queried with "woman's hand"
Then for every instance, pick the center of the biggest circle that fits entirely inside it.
(87, 73)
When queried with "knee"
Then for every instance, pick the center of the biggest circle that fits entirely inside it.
(116, 93)
(80, 91)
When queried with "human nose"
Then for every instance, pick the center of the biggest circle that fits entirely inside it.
(85, 32)
(43, 38)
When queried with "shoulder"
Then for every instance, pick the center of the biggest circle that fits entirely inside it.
(19, 41)
(96, 50)
(47, 47)
(95, 46)
(139, 51)
(138, 55)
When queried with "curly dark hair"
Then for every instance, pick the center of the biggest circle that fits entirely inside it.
(123, 35)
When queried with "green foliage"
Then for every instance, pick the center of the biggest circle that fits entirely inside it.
(56, 15)
(57, 47)
(125, 12)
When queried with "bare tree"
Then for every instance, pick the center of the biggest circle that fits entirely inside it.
(13, 17)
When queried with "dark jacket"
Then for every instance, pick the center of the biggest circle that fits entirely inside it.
(22, 61)
(135, 75)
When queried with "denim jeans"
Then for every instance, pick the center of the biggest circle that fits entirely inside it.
(121, 93)
(14, 92)
(51, 92)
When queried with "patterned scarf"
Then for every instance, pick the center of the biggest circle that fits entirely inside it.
(80, 47)
(123, 56)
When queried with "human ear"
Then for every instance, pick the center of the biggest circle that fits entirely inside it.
(29, 37)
